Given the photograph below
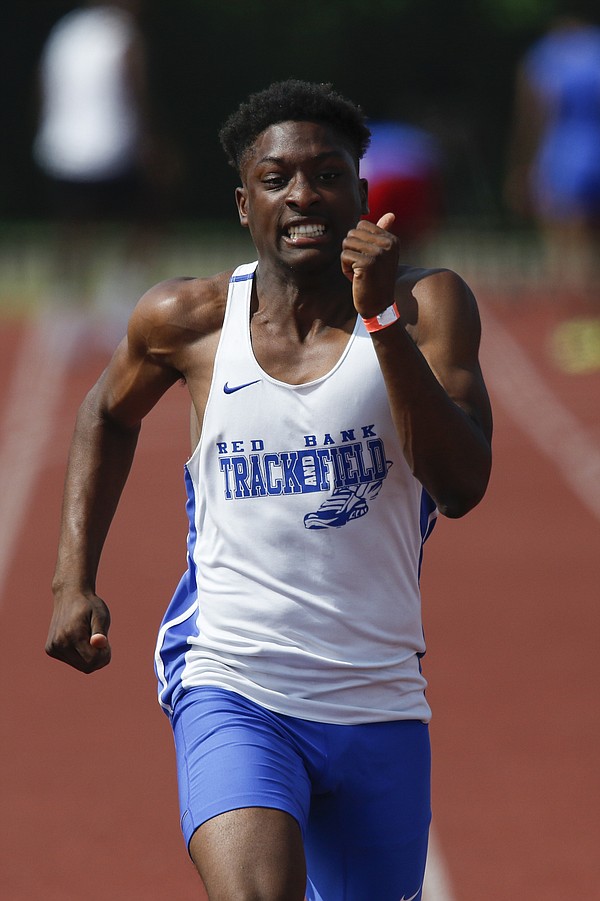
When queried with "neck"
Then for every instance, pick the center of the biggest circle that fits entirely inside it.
(305, 297)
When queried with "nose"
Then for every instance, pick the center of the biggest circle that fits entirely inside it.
(302, 193)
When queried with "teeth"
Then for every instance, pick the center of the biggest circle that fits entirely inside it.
(306, 231)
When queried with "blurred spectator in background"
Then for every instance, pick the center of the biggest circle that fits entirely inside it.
(103, 160)
(554, 155)
(403, 167)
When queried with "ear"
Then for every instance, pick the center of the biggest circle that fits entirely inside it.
(241, 199)
(364, 195)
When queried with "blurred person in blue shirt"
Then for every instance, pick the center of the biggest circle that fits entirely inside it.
(554, 156)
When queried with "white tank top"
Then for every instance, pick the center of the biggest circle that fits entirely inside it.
(305, 542)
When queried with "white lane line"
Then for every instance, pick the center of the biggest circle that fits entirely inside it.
(27, 425)
(518, 385)
(545, 420)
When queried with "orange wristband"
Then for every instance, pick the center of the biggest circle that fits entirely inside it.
(382, 320)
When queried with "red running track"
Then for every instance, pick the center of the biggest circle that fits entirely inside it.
(511, 611)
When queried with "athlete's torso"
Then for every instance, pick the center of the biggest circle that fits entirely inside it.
(306, 533)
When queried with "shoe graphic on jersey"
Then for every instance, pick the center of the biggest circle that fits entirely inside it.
(343, 506)
(337, 510)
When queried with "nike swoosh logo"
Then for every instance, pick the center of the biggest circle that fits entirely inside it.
(412, 897)
(235, 388)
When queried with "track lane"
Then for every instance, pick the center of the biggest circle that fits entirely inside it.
(510, 606)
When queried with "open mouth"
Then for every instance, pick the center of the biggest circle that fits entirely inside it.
(297, 232)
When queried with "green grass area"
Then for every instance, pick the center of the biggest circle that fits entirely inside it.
(28, 249)
(27, 255)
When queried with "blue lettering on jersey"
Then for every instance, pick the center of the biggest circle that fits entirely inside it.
(352, 471)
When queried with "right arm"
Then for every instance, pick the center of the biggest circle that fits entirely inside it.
(100, 458)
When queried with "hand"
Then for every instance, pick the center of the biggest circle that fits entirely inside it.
(370, 256)
(79, 633)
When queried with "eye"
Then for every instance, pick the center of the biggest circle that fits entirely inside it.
(273, 180)
(329, 176)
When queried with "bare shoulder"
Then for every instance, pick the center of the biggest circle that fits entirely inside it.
(438, 305)
(176, 313)
(185, 303)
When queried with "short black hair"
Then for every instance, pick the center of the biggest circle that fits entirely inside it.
(293, 100)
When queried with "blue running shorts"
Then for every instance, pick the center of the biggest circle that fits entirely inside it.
(360, 793)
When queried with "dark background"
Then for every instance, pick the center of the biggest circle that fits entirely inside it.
(446, 64)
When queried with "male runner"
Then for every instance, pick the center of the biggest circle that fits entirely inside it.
(338, 405)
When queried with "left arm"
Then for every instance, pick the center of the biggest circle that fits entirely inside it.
(436, 391)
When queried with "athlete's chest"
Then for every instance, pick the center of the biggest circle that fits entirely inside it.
(296, 360)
